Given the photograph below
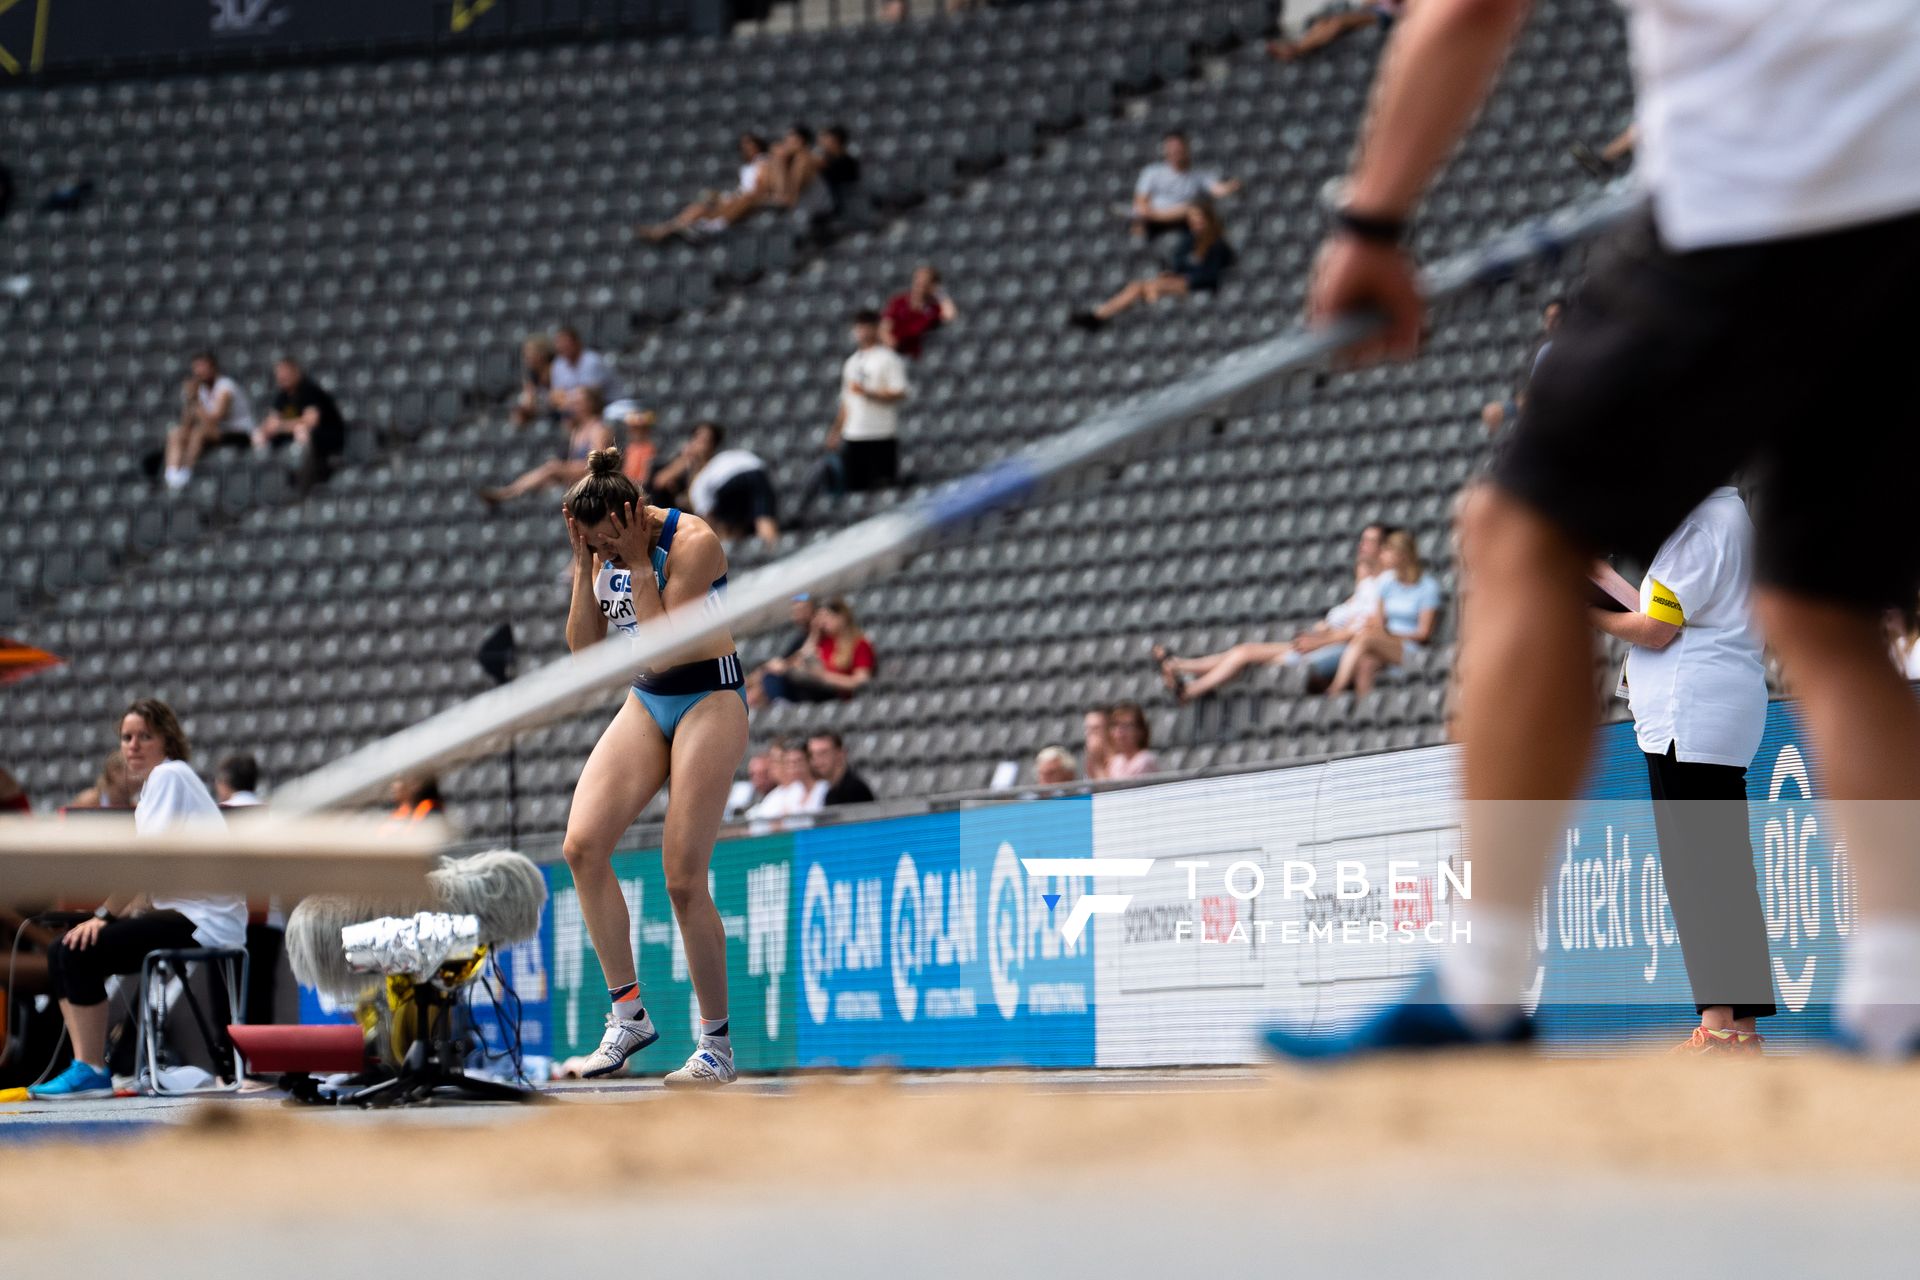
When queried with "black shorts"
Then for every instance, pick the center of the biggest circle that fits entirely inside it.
(744, 499)
(1786, 360)
(870, 464)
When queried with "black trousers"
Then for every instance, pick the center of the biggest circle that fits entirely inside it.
(1706, 856)
(80, 976)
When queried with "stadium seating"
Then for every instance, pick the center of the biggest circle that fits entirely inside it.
(300, 631)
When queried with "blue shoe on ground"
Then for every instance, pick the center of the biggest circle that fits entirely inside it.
(78, 1081)
(1418, 1020)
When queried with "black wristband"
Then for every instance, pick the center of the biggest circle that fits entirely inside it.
(1374, 230)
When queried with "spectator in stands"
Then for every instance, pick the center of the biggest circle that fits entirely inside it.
(1199, 258)
(863, 444)
(799, 790)
(536, 381)
(588, 433)
(1130, 738)
(672, 478)
(1168, 191)
(576, 369)
(746, 794)
(129, 925)
(416, 798)
(1320, 646)
(1097, 744)
(801, 614)
(839, 169)
(1324, 30)
(236, 781)
(111, 790)
(913, 314)
(798, 185)
(733, 491)
(838, 664)
(1054, 766)
(638, 450)
(715, 211)
(827, 752)
(306, 418)
(1402, 624)
(213, 410)
(1498, 413)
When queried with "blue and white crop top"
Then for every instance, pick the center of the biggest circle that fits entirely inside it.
(613, 587)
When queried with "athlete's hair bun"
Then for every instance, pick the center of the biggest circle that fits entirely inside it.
(603, 462)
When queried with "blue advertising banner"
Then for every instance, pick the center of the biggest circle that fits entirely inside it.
(924, 942)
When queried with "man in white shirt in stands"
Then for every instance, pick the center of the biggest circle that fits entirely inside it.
(1781, 146)
(212, 406)
(1167, 189)
(575, 367)
(866, 430)
(800, 790)
(1697, 684)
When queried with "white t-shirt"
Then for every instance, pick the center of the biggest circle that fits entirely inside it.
(1768, 118)
(239, 419)
(792, 798)
(877, 368)
(1359, 606)
(175, 798)
(1706, 693)
(590, 370)
(704, 489)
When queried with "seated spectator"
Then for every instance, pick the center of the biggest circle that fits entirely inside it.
(416, 798)
(840, 170)
(588, 433)
(798, 791)
(1127, 732)
(305, 418)
(715, 211)
(827, 752)
(733, 492)
(111, 790)
(576, 369)
(1324, 30)
(754, 787)
(1169, 190)
(798, 185)
(1054, 766)
(213, 410)
(1200, 257)
(1498, 413)
(1096, 744)
(637, 453)
(1403, 621)
(236, 781)
(910, 316)
(673, 478)
(536, 381)
(1320, 646)
(837, 664)
(801, 614)
(130, 925)
(863, 444)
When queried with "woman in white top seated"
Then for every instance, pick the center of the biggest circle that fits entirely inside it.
(212, 407)
(125, 930)
(717, 210)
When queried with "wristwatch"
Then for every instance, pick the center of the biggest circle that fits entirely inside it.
(1371, 228)
(103, 915)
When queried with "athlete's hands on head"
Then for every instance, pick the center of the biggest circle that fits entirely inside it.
(632, 538)
(1354, 275)
(577, 539)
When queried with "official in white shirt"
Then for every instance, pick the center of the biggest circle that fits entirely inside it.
(125, 929)
(1697, 685)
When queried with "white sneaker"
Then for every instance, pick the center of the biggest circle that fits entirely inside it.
(624, 1038)
(710, 1067)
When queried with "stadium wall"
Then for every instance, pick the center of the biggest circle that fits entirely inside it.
(922, 941)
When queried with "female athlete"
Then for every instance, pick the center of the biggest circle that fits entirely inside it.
(633, 563)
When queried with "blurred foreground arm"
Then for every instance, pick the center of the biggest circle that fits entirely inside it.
(1437, 71)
